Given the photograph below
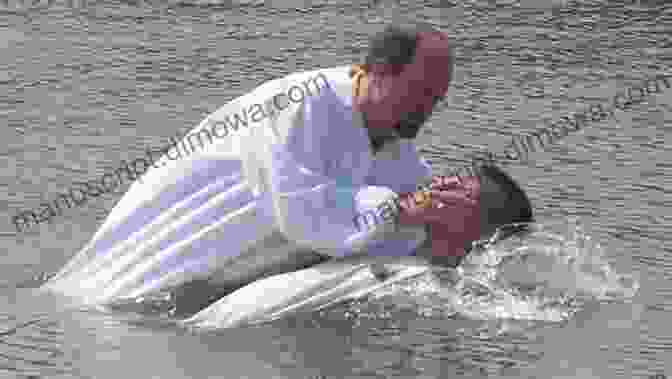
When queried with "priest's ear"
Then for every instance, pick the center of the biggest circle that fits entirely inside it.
(355, 68)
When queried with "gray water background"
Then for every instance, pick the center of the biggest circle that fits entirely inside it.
(83, 89)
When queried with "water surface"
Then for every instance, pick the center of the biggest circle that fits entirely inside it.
(82, 90)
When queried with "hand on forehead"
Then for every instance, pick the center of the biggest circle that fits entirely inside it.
(454, 182)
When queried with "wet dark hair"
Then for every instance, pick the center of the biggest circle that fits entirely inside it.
(503, 202)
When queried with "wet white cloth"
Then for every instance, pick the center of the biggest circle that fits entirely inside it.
(290, 179)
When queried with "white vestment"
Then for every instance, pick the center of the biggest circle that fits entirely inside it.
(278, 174)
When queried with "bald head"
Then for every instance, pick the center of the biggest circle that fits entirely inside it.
(409, 70)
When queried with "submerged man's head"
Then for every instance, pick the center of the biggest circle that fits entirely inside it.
(407, 71)
(501, 202)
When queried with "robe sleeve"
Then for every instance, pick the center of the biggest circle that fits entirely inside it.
(314, 180)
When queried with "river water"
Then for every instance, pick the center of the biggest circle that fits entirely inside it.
(83, 89)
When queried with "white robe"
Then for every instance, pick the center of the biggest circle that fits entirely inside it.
(291, 178)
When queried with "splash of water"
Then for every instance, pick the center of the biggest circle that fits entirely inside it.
(545, 274)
